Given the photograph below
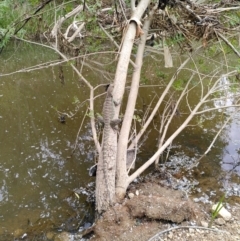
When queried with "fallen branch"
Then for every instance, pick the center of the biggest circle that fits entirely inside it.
(219, 10)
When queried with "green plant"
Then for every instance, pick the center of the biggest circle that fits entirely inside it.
(234, 21)
(137, 118)
(144, 80)
(178, 84)
(76, 101)
(160, 74)
(216, 211)
(90, 114)
(178, 38)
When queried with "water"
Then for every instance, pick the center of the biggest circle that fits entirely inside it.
(39, 174)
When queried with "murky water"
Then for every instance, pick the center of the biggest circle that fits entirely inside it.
(39, 173)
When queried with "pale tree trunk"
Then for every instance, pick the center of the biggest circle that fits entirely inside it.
(122, 176)
(106, 173)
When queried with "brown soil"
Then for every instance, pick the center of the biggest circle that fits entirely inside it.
(172, 215)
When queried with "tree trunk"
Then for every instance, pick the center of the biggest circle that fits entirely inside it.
(106, 173)
(105, 181)
(122, 176)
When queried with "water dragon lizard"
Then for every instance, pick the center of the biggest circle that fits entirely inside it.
(109, 146)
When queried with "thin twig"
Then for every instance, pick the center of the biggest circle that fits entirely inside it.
(114, 42)
(194, 227)
(79, 131)
(228, 43)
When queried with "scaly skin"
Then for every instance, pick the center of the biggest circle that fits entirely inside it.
(108, 113)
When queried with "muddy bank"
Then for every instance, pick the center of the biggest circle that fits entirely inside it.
(147, 206)
(152, 211)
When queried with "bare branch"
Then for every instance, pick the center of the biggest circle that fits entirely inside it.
(172, 114)
(154, 111)
(216, 136)
(175, 134)
(114, 42)
(216, 108)
(228, 43)
(219, 10)
(79, 130)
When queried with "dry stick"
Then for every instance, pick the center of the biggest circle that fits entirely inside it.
(222, 98)
(114, 42)
(62, 55)
(216, 108)
(219, 10)
(36, 67)
(52, 63)
(171, 117)
(99, 69)
(205, 75)
(212, 60)
(122, 8)
(79, 131)
(108, 35)
(78, 30)
(195, 227)
(198, 73)
(168, 151)
(221, 47)
(200, 81)
(135, 151)
(214, 139)
(148, 110)
(59, 22)
(165, 115)
(228, 43)
(190, 11)
(83, 61)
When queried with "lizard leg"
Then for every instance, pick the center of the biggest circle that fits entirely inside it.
(115, 124)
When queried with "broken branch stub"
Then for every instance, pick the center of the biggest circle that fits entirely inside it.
(59, 23)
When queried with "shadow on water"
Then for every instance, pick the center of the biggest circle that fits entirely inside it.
(44, 187)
